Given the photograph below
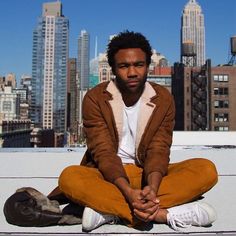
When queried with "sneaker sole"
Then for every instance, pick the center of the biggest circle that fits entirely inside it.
(210, 210)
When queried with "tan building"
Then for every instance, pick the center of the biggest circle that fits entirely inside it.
(8, 104)
(104, 70)
(8, 81)
(204, 97)
(223, 98)
(11, 80)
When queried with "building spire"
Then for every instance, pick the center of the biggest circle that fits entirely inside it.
(96, 47)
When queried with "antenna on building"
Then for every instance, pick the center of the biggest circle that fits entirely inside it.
(232, 60)
(96, 47)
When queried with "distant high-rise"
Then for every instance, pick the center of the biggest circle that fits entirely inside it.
(72, 118)
(49, 69)
(193, 32)
(83, 60)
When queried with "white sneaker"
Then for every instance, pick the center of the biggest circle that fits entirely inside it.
(93, 219)
(195, 213)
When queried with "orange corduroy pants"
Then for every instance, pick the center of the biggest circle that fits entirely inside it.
(185, 181)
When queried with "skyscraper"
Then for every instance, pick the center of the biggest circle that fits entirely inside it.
(193, 31)
(49, 69)
(83, 60)
(73, 91)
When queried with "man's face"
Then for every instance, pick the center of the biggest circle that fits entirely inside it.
(130, 70)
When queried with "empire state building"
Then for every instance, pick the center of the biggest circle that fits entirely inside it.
(193, 30)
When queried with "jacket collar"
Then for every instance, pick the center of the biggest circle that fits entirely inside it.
(148, 94)
(146, 109)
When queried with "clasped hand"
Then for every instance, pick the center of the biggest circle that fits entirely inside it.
(145, 204)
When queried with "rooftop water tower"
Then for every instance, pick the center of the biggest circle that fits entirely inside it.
(232, 60)
(188, 54)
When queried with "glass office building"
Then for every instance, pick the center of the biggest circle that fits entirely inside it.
(49, 69)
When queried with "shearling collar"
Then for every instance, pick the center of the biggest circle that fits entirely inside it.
(147, 94)
(146, 109)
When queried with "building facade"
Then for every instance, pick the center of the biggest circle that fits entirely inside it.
(15, 133)
(8, 104)
(73, 92)
(190, 88)
(49, 69)
(193, 31)
(204, 97)
(223, 98)
(83, 60)
(104, 69)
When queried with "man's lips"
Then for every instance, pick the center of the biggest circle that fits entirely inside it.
(133, 82)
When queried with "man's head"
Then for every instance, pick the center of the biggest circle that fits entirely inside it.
(128, 39)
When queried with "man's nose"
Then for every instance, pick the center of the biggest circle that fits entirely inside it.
(132, 71)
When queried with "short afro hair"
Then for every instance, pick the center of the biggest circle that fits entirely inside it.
(128, 39)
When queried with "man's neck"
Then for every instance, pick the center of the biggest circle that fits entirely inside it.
(131, 99)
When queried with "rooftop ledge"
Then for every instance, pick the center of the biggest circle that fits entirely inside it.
(40, 168)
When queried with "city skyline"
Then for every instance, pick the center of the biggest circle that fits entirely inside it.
(159, 21)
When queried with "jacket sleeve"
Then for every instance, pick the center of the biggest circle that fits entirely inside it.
(101, 142)
(158, 151)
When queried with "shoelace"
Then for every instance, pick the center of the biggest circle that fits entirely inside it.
(176, 223)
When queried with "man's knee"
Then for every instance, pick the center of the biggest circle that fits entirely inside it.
(66, 177)
(210, 172)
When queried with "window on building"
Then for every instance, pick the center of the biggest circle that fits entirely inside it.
(7, 106)
(226, 78)
(221, 117)
(221, 104)
(221, 91)
(221, 128)
(221, 78)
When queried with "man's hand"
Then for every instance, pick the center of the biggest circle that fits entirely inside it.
(147, 206)
(144, 202)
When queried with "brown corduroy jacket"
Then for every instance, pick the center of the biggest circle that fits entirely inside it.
(102, 120)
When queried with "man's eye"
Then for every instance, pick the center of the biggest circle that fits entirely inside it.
(123, 66)
(139, 65)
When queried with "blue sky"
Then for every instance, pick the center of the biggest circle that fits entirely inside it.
(158, 20)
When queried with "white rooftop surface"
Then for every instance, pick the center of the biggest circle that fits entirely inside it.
(40, 168)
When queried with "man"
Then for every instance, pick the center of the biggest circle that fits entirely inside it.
(125, 173)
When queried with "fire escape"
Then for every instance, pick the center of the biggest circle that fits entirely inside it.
(199, 101)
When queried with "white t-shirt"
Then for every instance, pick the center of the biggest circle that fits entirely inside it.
(126, 148)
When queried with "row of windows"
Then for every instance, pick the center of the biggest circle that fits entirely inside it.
(221, 128)
(221, 117)
(221, 78)
(6, 105)
(221, 104)
(221, 91)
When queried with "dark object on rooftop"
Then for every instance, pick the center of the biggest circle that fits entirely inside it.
(29, 208)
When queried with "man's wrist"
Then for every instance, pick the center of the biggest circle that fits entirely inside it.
(154, 180)
(123, 186)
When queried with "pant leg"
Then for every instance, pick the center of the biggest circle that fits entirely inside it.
(187, 181)
(87, 186)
